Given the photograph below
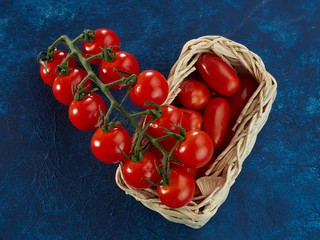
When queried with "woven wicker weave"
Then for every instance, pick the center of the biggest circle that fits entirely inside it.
(213, 189)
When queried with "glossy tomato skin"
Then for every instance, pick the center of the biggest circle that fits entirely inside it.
(191, 171)
(227, 137)
(123, 61)
(171, 115)
(105, 144)
(194, 94)
(84, 113)
(58, 58)
(216, 119)
(179, 192)
(61, 86)
(237, 101)
(218, 75)
(102, 37)
(134, 172)
(196, 150)
(150, 86)
(194, 119)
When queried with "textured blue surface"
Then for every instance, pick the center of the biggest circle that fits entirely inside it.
(51, 186)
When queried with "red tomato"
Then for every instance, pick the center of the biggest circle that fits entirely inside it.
(62, 85)
(150, 86)
(58, 58)
(84, 113)
(238, 100)
(171, 115)
(105, 144)
(194, 94)
(191, 171)
(196, 150)
(101, 38)
(228, 135)
(215, 119)
(194, 119)
(123, 61)
(202, 170)
(134, 172)
(218, 75)
(179, 192)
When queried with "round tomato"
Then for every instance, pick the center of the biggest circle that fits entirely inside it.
(227, 137)
(194, 94)
(84, 114)
(135, 172)
(179, 192)
(123, 61)
(215, 119)
(218, 75)
(196, 150)
(58, 57)
(191, 171)
(105, 144)
(102, 37)
(238, 100)
(194, 119)
(150, 86)
(62, 85)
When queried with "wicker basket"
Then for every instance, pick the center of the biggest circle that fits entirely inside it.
(213, 189)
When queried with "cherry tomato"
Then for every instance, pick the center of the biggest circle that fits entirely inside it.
(196, 150)
(84, 114)
(105, 144)
(101, 38)
(134, 172)
(171, 115)
(194, 94)
(218, 75)
(58, 57)
(62, 85)
(202, 170)
(215, 119)
(238, 100)
(194, 119)
(123, 61)
(228, 135)
(150, 86)
(179, 192)
(191, 171)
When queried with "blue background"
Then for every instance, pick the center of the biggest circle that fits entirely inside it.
(52, 187)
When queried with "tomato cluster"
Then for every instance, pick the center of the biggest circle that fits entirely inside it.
(184, 139)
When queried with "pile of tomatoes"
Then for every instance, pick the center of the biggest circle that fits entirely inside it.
(201, 117)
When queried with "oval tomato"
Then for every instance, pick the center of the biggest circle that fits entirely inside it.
(194, 119)
(196, 149)
(179, 192)
(62, 85)
(105, 144)
(102, 38)
(194, 94)
(238, 100)
(215, 119)
(135, 172)
(58, 57)
(218, 75)
(150, 86)
(84, 114)
(123, 61)
(227, 137)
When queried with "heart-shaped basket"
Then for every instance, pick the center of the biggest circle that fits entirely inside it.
(213, 189)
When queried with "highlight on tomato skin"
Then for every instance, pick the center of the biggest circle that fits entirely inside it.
(194, 119)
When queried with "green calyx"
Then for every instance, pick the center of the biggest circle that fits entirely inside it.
(88, 35)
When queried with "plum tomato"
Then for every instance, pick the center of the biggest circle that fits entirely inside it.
(218, 74)
(62, 85)
(216, 119)
(102, 38)
(123, 61)
(105, 144)
(194, 94)
(152, 86)
(237, 101)
(84, 114)
(194, 119)
(179, 191)
(58, 57)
